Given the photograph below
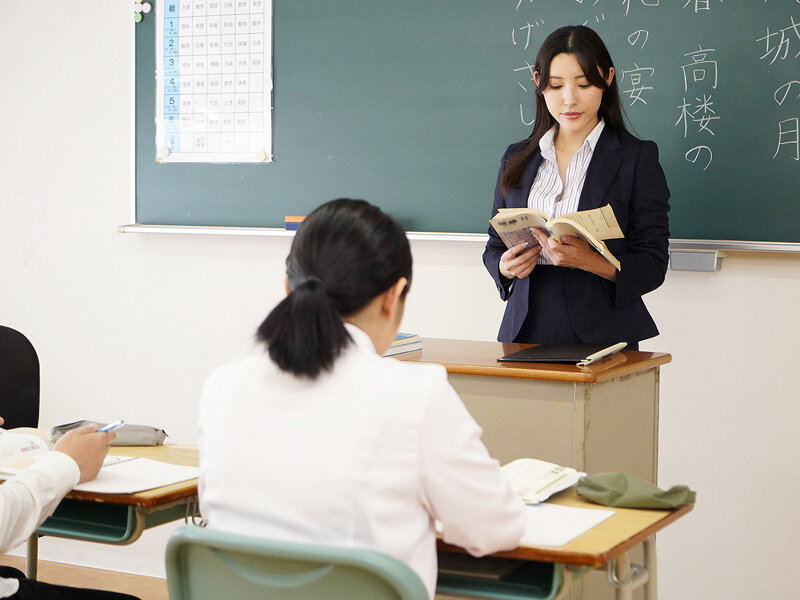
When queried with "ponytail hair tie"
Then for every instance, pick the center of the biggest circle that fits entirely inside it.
(297, 277)
(313, 279)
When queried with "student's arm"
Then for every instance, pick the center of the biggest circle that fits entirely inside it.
(463, 486)
(29, 498)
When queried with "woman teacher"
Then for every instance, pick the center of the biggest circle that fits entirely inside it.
(580, 156)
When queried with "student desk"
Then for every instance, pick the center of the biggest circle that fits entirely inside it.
(121, 518)
(604, 546)
(599, 418)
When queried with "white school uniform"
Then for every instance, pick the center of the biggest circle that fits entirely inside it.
(367, 456)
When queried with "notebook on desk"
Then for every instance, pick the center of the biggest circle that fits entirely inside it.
(580, 354)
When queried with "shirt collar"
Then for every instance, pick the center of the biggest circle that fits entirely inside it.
(361, 340)
(547, 141)
(595, 134)
(546, 145)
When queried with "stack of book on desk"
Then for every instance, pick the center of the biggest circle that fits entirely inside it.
(404, 342)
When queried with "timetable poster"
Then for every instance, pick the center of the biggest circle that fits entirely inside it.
(214, 81)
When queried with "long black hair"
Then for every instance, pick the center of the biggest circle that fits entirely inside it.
(345, 253)
(595, 61)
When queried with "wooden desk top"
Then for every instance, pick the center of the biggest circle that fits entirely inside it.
(172, 453)
(480, 358)
(604, 542)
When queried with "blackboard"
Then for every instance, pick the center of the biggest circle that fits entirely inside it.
(410, 105)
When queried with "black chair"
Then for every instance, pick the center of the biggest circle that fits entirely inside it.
(19, 380)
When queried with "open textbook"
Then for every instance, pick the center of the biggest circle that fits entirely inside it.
(119, 474)
(513, 225)
(17, 447)
(536, 480)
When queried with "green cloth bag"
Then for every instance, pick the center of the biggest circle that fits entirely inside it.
(626, 491)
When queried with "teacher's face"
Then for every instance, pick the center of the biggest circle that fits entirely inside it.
(571, 99)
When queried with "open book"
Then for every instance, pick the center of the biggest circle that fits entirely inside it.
(536, 480)
(18, 449)
(513, 225)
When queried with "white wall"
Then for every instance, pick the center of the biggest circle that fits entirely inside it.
(130, 325)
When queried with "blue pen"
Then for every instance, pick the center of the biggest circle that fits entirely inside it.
(112, 426)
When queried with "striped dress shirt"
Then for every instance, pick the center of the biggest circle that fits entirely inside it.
(548, 193)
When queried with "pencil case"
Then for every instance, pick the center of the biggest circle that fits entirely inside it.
(127, 435)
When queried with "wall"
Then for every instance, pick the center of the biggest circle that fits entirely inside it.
(129, 325)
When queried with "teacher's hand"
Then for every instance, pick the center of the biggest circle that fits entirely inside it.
(518, 261)
(576, 253)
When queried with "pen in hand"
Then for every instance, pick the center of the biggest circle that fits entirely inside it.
(112, 426)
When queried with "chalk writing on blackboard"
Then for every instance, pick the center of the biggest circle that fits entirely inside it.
(527, 29)
(778, 42)
(700, 78)
(788, 136)
(634, 38)
(627, 4)
(699, 5)
(790, 87)
(637, 77)
(530, 69)
(778, 45)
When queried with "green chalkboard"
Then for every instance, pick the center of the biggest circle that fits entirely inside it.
(411, 104)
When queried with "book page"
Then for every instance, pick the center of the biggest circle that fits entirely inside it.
(513, 212)
(536, 480)
(562, 226)
(19, 450)
(599, 222)
(516, 228)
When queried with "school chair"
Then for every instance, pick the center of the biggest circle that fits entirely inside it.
(19, 380)
(205, 564)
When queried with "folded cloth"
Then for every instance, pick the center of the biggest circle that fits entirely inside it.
(624, 490)
(127, 435)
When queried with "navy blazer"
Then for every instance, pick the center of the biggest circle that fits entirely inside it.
(625, 173)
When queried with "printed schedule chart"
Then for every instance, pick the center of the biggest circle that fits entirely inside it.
(213, 81)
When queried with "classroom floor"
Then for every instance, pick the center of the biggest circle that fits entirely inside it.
(146, 588)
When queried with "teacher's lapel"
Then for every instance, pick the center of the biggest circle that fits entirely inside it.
(604, 165)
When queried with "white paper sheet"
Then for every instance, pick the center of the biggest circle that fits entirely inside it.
(129, 474)
(555, 525)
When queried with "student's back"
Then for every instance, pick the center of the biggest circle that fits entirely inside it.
(365, 454)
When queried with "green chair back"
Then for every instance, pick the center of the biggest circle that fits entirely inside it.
(206, 564)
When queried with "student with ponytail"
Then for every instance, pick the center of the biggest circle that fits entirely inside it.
(320, 439)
